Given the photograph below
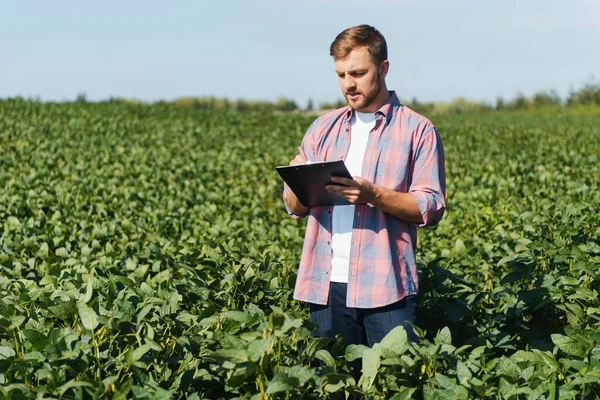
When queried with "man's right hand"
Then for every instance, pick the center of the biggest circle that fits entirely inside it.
(293, 202)
(300, 157)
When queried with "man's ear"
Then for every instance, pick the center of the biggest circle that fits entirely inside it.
(384, 68)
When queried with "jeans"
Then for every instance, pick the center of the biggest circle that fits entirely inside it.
(362, 325)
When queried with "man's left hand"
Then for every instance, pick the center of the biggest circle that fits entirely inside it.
(356, 190)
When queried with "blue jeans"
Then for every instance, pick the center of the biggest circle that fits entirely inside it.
(362, 325)
(365, 326)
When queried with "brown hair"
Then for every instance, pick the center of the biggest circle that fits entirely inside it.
(360, 35)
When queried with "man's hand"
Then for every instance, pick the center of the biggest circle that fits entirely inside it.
(359, 191)
(356, 191)
(300, 157)
(295, 205)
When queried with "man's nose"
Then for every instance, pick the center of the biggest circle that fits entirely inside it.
(349, 82)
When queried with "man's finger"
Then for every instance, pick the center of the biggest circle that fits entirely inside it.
(335, 189)
(302, 153)
(341, 190)
(345, 181)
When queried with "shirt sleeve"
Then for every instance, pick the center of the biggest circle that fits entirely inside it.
(428, 184)
(308, 145)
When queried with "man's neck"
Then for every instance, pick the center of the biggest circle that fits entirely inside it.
(382, 97)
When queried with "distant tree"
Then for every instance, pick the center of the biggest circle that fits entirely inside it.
(460, 105)
(544, 99)
(226, 104)
(500, 103)
(423, 108)
(284, 104)
(310, 106)
(589, 94)
(520, 102)
(241, 105)
(331, 106)
(81, 98)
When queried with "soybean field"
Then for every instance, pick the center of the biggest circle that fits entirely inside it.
(145, 252)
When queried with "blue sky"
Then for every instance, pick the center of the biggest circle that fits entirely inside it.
(260, 50)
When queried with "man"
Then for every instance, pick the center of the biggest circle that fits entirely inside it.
(358, 270)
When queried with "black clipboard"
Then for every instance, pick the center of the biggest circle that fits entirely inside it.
(308, 182)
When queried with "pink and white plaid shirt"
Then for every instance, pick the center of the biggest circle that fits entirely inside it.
(404, 153)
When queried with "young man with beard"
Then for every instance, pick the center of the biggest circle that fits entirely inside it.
(358, 270)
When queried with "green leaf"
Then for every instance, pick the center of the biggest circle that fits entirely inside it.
(355, 351)
(142, 314)
(568, 345)
(315, 344)
(395, 342)
(174, 302)
(463, 373)
(235, 356)
(73, 384)
(445, 381)
(289, 325)
(459, 247)
(88, 316)
(44, 251)
(238, 316)
(35, 338)
(6, 352)
(16, 321)
(89, 289)
(527, 373)
(249, 273)
(509, 368)
(333, 382)
(301, 374)
(548, 359)
(13, 223)
(258, 348)
(430, 393)
(34, 356)
(370, 367)
(521, 355)
(404, 393)
(62, 252)
(444, 336)
(140, 352)
(326, 357)
(279, 383)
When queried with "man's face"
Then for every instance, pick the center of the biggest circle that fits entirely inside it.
(360, 78)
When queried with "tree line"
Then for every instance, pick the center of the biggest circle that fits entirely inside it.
(587, 96)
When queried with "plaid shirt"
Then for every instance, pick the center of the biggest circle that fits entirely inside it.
(404, 153)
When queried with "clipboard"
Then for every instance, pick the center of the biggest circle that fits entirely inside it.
(308, 182)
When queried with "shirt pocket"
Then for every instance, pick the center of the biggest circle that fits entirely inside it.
(393, 168)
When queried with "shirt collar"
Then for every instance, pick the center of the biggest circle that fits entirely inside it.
(387, 110)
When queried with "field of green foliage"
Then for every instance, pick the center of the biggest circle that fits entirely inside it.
(145, 253)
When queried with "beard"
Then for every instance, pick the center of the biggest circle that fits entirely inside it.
(366, 99)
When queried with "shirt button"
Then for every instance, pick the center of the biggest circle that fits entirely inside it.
(358, 214)
(328, 242)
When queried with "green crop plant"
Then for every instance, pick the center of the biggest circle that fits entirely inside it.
(145, 252)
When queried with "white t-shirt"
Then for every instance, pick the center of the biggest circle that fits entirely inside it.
(361, 125)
